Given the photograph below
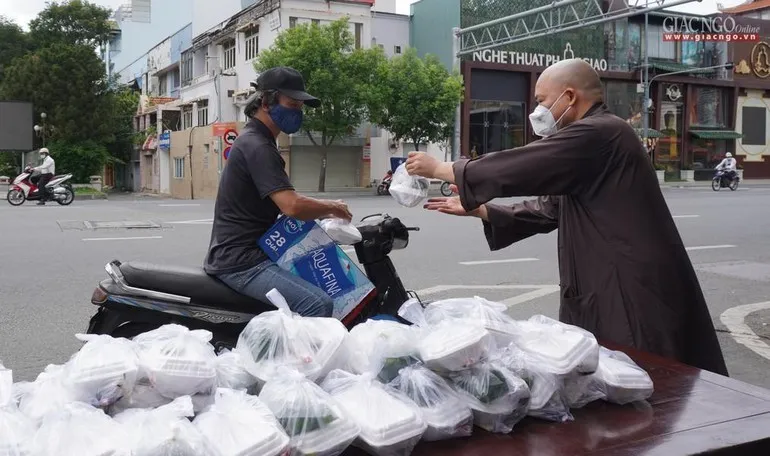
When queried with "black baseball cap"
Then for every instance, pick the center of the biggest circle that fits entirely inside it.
(287, 81)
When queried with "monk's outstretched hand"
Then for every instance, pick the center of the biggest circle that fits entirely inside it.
(447, 205)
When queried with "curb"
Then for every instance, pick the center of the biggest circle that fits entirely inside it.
(90, 197)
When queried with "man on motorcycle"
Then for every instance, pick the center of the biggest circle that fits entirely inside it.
(47, 170)
(254, 190)
(729, 165)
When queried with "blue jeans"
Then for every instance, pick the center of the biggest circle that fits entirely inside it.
(303, 298)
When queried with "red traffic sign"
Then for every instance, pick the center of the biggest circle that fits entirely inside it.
(226, 153)
(230, 136)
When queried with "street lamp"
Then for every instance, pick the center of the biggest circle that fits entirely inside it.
(40, 129)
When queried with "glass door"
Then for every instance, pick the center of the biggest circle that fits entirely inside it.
(495, 126)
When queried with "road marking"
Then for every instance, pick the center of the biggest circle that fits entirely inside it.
(178, 205)
(194, 222)
(734, 319)
(686, 216)
(538, 291)
(710, 247)
(135, 238)
(510, 260)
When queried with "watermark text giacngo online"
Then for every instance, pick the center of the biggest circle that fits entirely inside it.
(710, 37)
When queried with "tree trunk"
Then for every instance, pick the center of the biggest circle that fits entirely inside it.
(322, 175)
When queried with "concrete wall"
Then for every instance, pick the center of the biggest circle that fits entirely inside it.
(389, 31)
(431, 30)
(208, 13)
(754, 158)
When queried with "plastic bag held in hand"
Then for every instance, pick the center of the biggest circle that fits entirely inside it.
(80, 429)
(341, 232)
(16, 430)
(313, 420)
(240, 424)
(163, 431)
(177, 361)
(446, 415)
(390, 423)
(408, 191)
(104, 370)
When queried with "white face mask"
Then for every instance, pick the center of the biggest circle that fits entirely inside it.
(542, 120)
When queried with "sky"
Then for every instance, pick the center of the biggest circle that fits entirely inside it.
(22, 11)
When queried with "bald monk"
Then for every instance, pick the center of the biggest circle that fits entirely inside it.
(625, 274)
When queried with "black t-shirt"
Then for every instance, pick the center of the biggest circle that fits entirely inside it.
(244, 210)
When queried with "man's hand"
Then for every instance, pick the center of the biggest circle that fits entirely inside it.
(451, 205)
(340, 210)
(421, 164)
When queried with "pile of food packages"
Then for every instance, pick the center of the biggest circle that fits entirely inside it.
(307, 386)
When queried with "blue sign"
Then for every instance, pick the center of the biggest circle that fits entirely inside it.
(226, 153)
(164, 140)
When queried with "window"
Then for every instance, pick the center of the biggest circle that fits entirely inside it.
(495, 126)
(623, 101)
(187, 117)
(381, 46)
(187, 67)
(178, 167)
(163, 84)
(292, 22)
(708, 107)
(316, 21)
(175, 78)
(397, 49)
(228, 54)
(251, 38)
(754, 124)
(660, 49)
(359, 32)
(203, 112)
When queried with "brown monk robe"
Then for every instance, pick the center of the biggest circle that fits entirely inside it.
(625, 274)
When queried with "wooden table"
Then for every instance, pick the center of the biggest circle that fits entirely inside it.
(691, 412)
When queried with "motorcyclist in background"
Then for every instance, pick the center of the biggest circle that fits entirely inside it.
(729, 165)
(47, 170)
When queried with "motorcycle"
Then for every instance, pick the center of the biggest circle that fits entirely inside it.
(24, 188)
(139, 297)
(384, 187)
(446, 189)
(721, 180)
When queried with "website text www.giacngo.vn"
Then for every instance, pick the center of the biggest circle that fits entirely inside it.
(710, 37)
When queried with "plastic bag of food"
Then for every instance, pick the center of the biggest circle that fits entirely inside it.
(240, 424)
(80, 429)
(103, 370)
(163, 431)
(499, 399)
(394, 342)
(341, 232)
(451, 344)
(557, 347)
(177, 361)
(547, 399)
(408, 191)
(312, 346)
(445, 414)
(390, 423)
(232, 372)
(48, 393)
(313, 420)
(16, 430)
(489, 314)
(618, 379)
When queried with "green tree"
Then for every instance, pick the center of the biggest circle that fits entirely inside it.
(82, 158)
(334, 71)
(13, 43)
(121, 108)
(416, 98)
(73, 22)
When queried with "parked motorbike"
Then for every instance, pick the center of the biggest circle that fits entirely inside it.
(24, 188)
(446, 189)
(139, 297)
(384, 187)
(722, 180)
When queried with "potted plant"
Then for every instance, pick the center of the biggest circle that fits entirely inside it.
(660, 171)
(686, 173)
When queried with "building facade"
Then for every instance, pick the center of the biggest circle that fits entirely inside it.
(692, 117)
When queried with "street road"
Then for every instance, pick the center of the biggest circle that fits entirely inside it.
(51, 262)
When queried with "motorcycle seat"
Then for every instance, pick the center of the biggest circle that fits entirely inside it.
(192, 282)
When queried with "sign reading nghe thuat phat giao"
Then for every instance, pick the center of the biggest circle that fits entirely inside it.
(534, 59)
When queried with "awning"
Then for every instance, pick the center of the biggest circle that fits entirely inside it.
(716, 134)
(650, 133)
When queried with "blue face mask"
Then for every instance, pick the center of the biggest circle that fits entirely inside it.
(289, 120)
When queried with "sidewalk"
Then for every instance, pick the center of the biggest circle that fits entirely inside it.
(707, 183)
